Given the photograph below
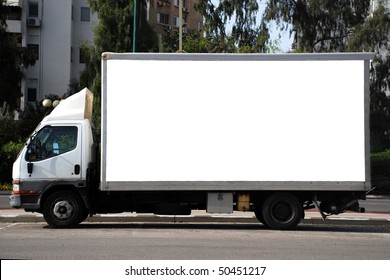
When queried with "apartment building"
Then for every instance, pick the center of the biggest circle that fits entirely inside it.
(54, 31)
(165, 14)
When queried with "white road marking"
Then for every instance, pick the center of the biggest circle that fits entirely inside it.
(8, 226)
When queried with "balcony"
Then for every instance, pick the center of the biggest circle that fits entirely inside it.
(14, 26)
(13, 16)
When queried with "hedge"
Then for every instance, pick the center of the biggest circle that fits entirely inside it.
(380, 171)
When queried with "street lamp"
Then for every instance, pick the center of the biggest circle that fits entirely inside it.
(47, 103)
(55, 103)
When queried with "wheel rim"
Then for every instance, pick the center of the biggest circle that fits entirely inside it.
(63, 209)
(282, 212)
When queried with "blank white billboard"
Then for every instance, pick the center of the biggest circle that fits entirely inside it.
(173, 120)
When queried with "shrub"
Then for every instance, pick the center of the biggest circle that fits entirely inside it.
(380, 171)
(8, 154)
(5, 187)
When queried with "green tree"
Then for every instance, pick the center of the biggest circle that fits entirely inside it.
(12, 60)
(197, 42)
(246, 35)
(114, 31)
(318, 25)
(373, 36)
(9, 143)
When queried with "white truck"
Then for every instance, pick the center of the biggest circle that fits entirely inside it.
(273, 134)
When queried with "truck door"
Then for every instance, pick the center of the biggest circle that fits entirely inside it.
(54, 154)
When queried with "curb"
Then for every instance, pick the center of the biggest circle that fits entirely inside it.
(151, 219)
(375, 196)
(5, 192)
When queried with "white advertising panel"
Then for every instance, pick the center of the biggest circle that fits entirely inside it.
(235, 120)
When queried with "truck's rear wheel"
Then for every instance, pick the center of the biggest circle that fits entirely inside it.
(282, 211)
(63, 209)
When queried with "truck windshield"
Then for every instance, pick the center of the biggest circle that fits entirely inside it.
(51, 141)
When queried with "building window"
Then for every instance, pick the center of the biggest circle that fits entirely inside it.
(177, 3)
(83, 54)
(33, 9)
(31, 94)
(34, 50)
(85, 14)
(176, 21)
(162, 18)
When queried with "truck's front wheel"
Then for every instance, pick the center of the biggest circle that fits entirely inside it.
(282, 211)
(63, 209)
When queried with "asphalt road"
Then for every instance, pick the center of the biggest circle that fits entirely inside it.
(371, 205)
(194, 241)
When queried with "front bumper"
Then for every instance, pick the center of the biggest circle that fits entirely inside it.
(30, 203)
(15, 201)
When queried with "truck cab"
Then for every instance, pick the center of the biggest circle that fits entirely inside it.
(58, 156)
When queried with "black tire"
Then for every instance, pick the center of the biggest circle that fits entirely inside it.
(64, 209)
(282, 211)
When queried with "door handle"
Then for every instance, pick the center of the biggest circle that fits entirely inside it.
(77, 169)
(30, 168)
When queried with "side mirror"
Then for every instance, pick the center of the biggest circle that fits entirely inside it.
(30, 168)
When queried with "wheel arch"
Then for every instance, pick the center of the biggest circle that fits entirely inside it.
(63, 186)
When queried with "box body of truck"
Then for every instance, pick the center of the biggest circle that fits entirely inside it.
(274, 134)
(235, 122)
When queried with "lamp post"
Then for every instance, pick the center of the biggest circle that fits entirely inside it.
(180, 25)
(135, 25)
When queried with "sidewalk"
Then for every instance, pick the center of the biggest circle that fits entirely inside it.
(198, 216)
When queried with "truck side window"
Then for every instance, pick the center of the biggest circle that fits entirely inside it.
(52, 141)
